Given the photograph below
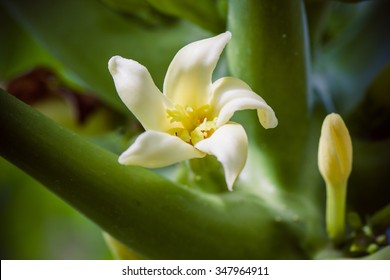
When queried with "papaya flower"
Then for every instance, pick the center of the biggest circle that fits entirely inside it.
(335, 166)
(191, 118)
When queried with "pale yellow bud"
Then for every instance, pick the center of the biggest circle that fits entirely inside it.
(335, 165)
(335, 150)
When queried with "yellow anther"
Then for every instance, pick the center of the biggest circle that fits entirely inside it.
(191, 125)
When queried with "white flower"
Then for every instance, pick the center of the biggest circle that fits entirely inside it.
(191, 118)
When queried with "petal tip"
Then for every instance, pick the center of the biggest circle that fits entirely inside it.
(228, 34)
(112, 64)
(122, 159)
(118, 64)
(267, 118)
(273, 123)
(225, 37)
(230, 184)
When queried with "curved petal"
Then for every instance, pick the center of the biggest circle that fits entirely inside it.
(229, 144)
(155, 149)
(231, 94)
(139, 93)
(188, 79)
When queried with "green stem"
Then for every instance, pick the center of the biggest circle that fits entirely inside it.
(335, 212)
(270, 51)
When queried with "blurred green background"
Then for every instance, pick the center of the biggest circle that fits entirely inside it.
(36, 224)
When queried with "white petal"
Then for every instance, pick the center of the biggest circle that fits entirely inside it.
(231, 95)
(155, 149)
(188, 79)
(137, 90)
(229, 144)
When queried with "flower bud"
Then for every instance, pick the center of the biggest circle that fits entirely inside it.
(335, 151)
(335, 165)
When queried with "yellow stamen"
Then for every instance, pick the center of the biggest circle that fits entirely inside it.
(192, 125)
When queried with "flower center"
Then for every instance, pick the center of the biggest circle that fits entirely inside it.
(191, 125)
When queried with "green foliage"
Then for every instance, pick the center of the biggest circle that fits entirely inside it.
(21, 51)
(83, 35)
(209, 14)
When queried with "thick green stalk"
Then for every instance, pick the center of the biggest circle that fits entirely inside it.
(151, 215)
(269, 50)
